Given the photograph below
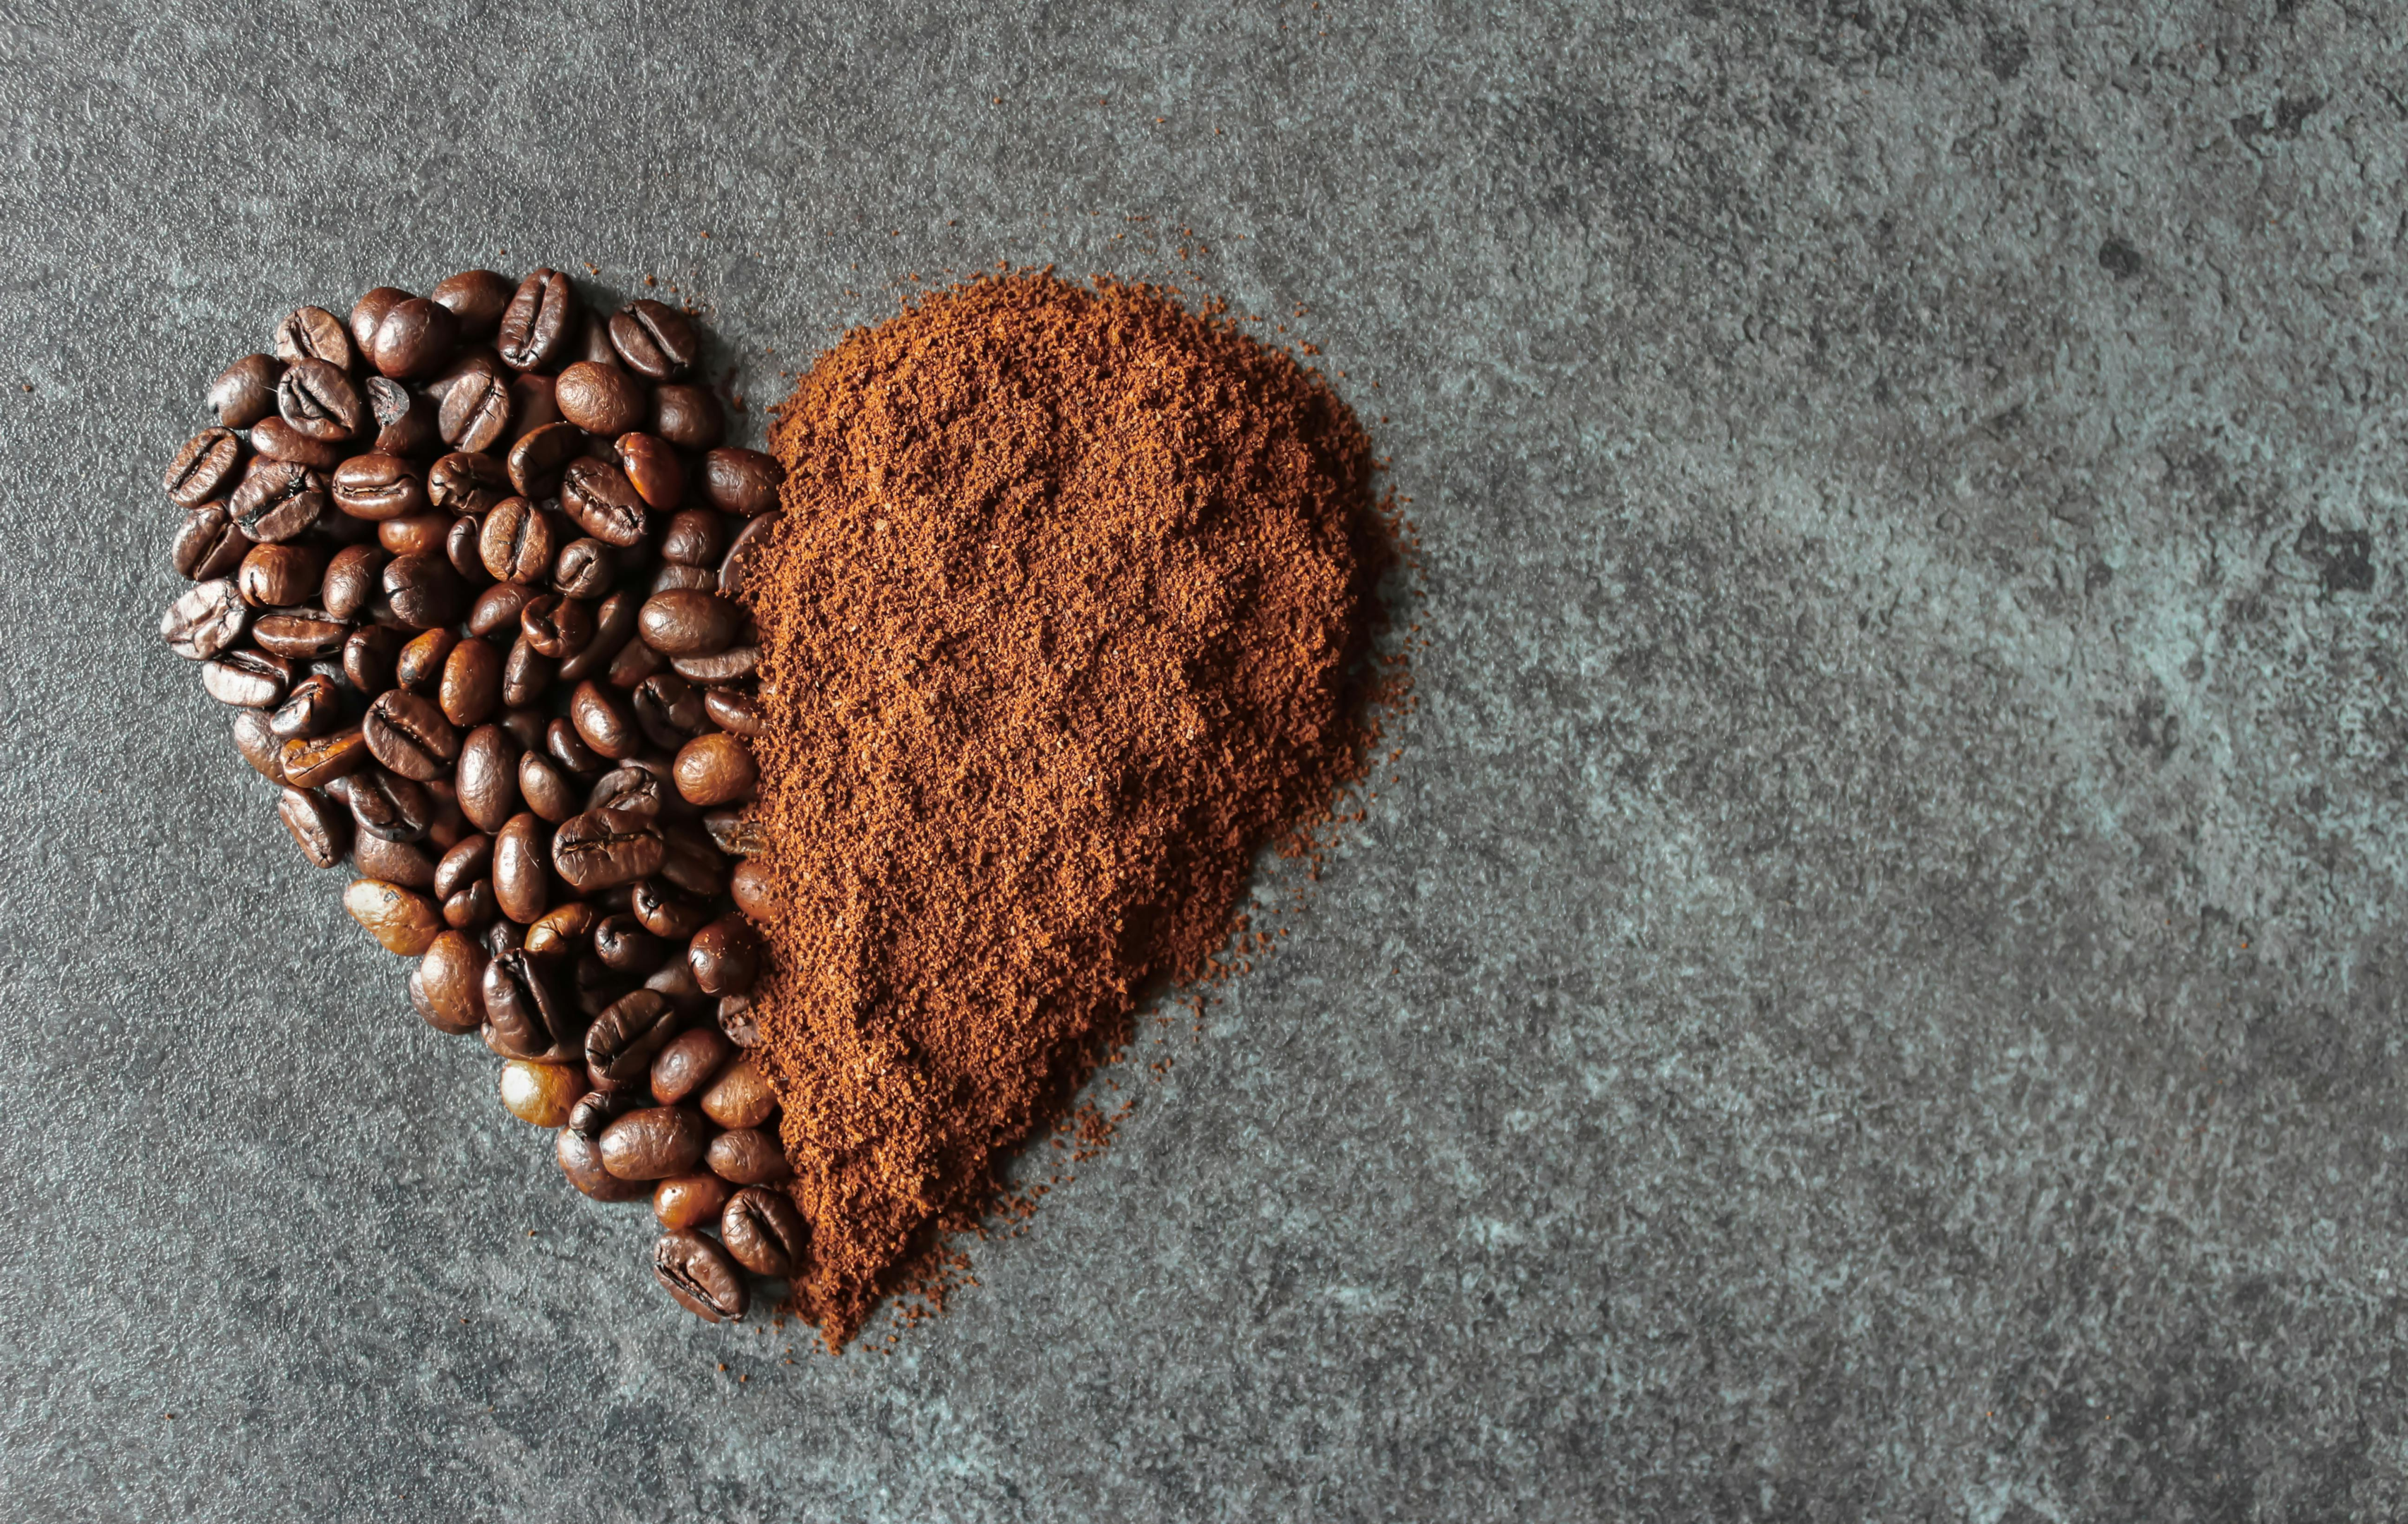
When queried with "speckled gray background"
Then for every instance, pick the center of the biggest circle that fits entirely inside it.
(1872, 994)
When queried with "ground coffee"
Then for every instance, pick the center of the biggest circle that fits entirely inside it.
(1068, 614)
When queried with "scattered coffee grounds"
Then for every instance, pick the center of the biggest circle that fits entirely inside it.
(1067, 616)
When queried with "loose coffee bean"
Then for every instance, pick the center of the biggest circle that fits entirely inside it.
(674, 982)
(736, 665)
(406, 422)
(488, 777)
(688, 623)
(529, 1013)
(603, 722)
(749, 884)
(670, 912)
(311, 708)
(621, 943)
(654, 1143)
(579, 1149)
(715, 768)
(377, 486)
(743, 554)
(477, 298)
(369, 655)
(476, 412)
(497, 610)
(569, 750)
(545, 787)
(526, 727)
(725, 957)
(691, 863)
(245, 392)
(278, 502)
(652, 467)
(732, 834)
(517, 542)
(622, 1042)
(353, 577)
(734, 709)
(669, 709)
(690, 1201)
(472, 685)
(748, 1157)
(602, 847)
(672, 578)
(556, 626)
(204, 467)
(247, 679)
(278, 576)
(451, 974)
(419, 665)
(741, 1096)
(466, 481)
(540, 319)
(687, 417)
(424, 590)
(698, 1274)
(461, 549)
(636, 788)
(471, 908)
(415, 339)
(209, 543)
(321, 401)
(300, 634)
(694, 537)
(465, 862)
(600, 399)
(635, 662)
(322, 831)
(614, 625)
(405, 922)
(273, 439)
(420, 535)
(599, 498)
(521, 879)
(537, 460)
(208, 618)
(407, 733)
(584, 569)
(314, 334)
(387, 806)
(368, 315)
(542, 1094)
(502, 936)
(259, 746)
(763, 1231)
(741, 481)
(314, 762)
(564, 931)
(654, 339)
(688, 1063)
(402, 863)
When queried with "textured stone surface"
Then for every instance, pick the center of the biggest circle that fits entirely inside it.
(1871, 993)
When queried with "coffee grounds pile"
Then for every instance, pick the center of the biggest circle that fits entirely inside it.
(1067, 616)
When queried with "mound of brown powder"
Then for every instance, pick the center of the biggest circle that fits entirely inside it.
(1064, 620)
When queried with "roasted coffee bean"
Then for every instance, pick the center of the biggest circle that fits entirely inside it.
(602, 847)
(569, 750)
(603, 722)
(278, 502)
(541, 1094)
(688, 623)
(471, 686)
(449, 826)
(672, 578)
(743, 554)
(625, 947)
(734, 709)
(539, 320)
(208, 618)
(402, 863)
(701, 1277)
(669, 709)
(741, 481)
(497, 610)
(687, 417)
(314, 762)
(424, 590)
(311, 708)
(369, 655)
(690, 1201)
(419, 665)
(545, 788)
(621, 1044)
(687, 1063)
(670, 912)
(555, 626)
(300, 634)
(477, 298)
(321, 401)
(749, 886)
(732, 834)
(471, 908)
(487, 777)
(694, 537)
(407, 735)
(529, 1012)
(322, 831)
(564, 931)
(461, 549)
(749, 1156)
(353, 577)
(736, 665)
(476, 412)
(600, 399)
(725, 957)
(247, 679)
(652, 467)
(312, 333)
(415, 339)
(517, 542)
(538, 459)
(368, 315)
(690, 861)
(614, 624)
(405, 922)
(420, 535)
(280, 575)
(579, 1149)
(502, 936)
(209, 543)
(259, 744)
(452, 974)
(245, 392)
(406, 422)
(654, 1143)
(521, 879)
(466, 861)
(741, 1096)
(377, 486)
(763, 1231)
(599, 498)
(635, 662)
(654, 339)
(273, 439)
(636, 788)
(674, 982)
(715, 768)
(584, 569)
(466, 481)
(387, 806)
(204, 467)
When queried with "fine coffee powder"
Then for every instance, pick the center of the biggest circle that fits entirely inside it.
(1067, 617)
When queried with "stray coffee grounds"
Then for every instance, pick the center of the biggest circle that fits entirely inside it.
(1068, 614)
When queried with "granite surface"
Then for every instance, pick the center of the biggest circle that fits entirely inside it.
(1868, 991)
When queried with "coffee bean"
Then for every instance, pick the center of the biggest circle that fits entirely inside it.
(419, 665)
(698, 1274)
(741, 1096)
(635, 662)
(209, 543)
(259, 746)
(406, 422)
(522, 880)
(602, 847)
(690, 861)
(556, 626)
(674, 982)
(461, 550)
(688, 623)
(651, 466)
(321, 401)
(621, 1044)
(300, 634)
(245, 392)
(732, 834)
(208, 618)
(625, 947)
(748, 1157)
(449, 826)
(488, 777)
(471, 686)
(466, 481)
(273, 439)
(313, 333)
(247, 679)
(424, 590)
(502, 936)
(369, 655)
(279, 502)
(579, 1148)
(672, 578)
(532, 407)
(763, 1231)
(415, 339)
(569, 750)
(536, 459)
(750, 886)
(314, 762)
(540, 319)
(654, 339)
(517, 542)
(564, 931)
(688, 1063)
(687, 417)
(471, 908)
(477, 298)
(736, 665)
(715, 768)
(654, 1143)
(584, 569)
(451, 975)
(690, 1201)
(311, 708)
(694, 537)
(407, 735)
(614, 625)
(496, 612)
(353, 577)
(545, 786)
(751, 544)
(725, 957)
(669, 913)
(599, 498)
(669, 709)
(204, 467)
(600, 399)
(322, 831)
(368, 315)
(741, 481)
(636, 788)
(401, 863)
(529, 1012)
(387, 806)
(377, 486)
(476, 412)
(463, 862)
(732, 710)
(406, 924)
(603, 722)
(419, 535)
(542, 1094)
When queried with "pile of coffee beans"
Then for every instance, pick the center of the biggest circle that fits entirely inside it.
(464, 567)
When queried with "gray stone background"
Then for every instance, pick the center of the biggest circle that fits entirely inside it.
(1871, 993)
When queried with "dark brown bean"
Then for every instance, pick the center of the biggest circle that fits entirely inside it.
(314, 762)
(280, 575)
(424, 590)
(452, 972)
(603, 722)
(637, 786)
(419, 665)
(555, 626)
(407, 735)
(734, 709)
(536, 459)
(354, 576)
(403, 862)
(749, 1156)
(654, 1143)
(497, 610)
(367, 313)
(741, 481)
(385, 804)
(322, 830)
(311, 708)
(694, 537)
(690, 861)
(579, 1148)
(406, 924)
(651, 465)
(321, 401)
(763, 1231)
(369, 655)
(621, 943)
(669, 709)
(672, 578)
(741, 1096)
(300, 634)
(532, 407)
(246, 678)
(599, 498)
(376, 487)
(471, 686)
(602, 399)
(725, 957)
(406, 422)
(715, 768)
(466, 481)
(488, 777)
(477, 410)
(545, 786)
(278, 502)
(208, 544)
(561, 739)
(690, 1201)
(621, 1044)
(471, 908)
(749, 884)
(689, 623)
(204, 467)
(460, 547)
(635, 662)
(529, 1010)
(521, 874)
(670, 913)
(599, 848)
(420, 535)
(689, 1062)
(468, 860)
(415, 339)
(584, 568)
(245, 392)
(312, 333)
(701, 1277)
(686, 416)
(539, 320)
(477, 298)
(751, 543)
(736, 665)
(614, 624)
(517, 542)
(654, 339)
(259, 744)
